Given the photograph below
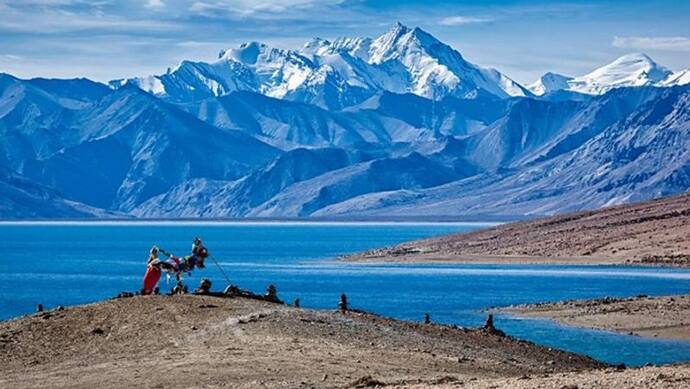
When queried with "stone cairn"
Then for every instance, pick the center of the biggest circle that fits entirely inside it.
(342, 305)
(204, 287)
(271, 294)
(179, 288)
(489, 327)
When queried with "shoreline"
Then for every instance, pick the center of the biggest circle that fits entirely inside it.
(658, 317)
(479, 259)
(648, 233)
(247, 222)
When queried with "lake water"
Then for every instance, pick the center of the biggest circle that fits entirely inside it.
(64, 264)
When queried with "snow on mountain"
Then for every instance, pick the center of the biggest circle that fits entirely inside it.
(549, 82)
(196, 80)
(631, 70)
(398, 125)
(434, 69)
(678, 78)
(627, 71)
(334, 74)
(277, 71)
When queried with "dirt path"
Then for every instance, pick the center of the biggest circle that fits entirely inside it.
(662, 317)
(654, 233)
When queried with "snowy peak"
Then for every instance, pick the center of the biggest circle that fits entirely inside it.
(315, 48)
(247, 53)
(401, 41)
(257, 54)
(388, 44)
(549, 82)
(631, 70)
(434, 69)
(335, 73)
(635, 64)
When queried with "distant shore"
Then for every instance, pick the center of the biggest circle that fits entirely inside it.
(478, 259)
(221, 222)
(654, 317)
(653, 233)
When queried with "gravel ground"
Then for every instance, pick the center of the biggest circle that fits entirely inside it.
(202, 341)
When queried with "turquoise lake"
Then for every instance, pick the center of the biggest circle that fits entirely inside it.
(71, 263)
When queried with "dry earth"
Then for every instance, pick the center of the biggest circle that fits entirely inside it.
(665, 377)
(654, 232)
(663, 317)
(202, 341)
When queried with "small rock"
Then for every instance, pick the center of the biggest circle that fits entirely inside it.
(97, 331)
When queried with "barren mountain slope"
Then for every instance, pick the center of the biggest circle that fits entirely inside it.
(650, 232)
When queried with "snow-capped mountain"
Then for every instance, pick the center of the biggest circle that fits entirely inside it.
(398, 125)
(334, 74)
(631, 70)
(433, 69)
(550, 82)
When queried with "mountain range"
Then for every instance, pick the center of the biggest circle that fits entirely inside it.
(401, 125)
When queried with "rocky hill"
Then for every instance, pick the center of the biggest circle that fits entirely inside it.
(203, 341)
(654, 232)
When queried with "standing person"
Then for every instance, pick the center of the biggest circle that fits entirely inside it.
(153, 272)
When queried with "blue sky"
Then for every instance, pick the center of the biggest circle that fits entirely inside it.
(107, 39)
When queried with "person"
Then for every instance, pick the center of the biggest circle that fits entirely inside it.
(153, 272)
(153, 256)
